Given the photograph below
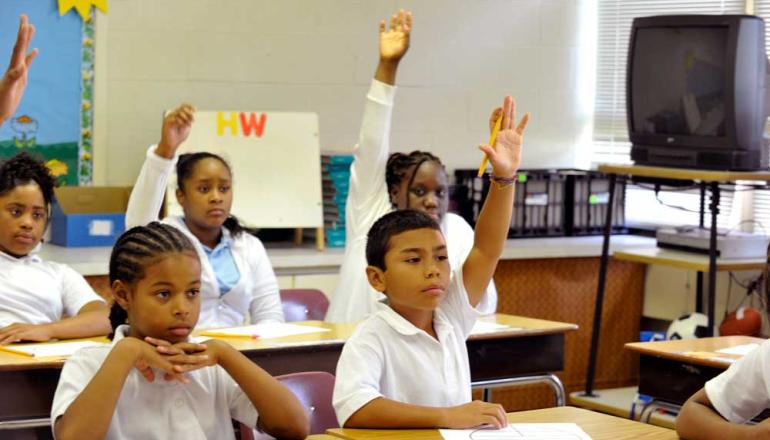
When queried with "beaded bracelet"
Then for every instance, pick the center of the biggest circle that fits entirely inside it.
(502, 182)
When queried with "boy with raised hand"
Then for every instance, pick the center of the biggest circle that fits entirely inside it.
(407, 365)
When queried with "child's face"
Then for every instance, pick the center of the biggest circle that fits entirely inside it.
(165, 303)
(207, 195)
(428, 192)
(23, 218)
(416, 273)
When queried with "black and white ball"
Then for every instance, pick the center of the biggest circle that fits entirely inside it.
(692, 326)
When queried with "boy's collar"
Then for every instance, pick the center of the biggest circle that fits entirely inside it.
(403, 326)
(31, 256)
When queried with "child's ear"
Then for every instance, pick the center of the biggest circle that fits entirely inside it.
(376, 278)
(394, 192)
(120, 293)
(179, 196)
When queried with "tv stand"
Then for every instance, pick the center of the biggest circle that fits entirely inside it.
(698, 158)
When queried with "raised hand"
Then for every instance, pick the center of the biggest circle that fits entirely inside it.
(176, 128)
(505, 156)
(476, 413)
(14, 80)
(394, 38)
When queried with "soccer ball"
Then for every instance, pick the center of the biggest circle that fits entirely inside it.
(692, 326)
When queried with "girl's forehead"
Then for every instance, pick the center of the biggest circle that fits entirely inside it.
(210, 168)
(430, 172)
(28, 193)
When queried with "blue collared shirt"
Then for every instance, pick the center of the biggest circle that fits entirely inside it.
(223, 263)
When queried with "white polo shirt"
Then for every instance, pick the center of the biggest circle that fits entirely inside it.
(34, 291)
(387, 356)
(743, 390)
(162, 409)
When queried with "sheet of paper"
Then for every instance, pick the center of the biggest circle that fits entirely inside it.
(520, 431)
(58, 349)
(265, 331)
(487, 327)
(741, 350)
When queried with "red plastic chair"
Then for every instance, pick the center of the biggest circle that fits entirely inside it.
(304, 304)
(314, 390)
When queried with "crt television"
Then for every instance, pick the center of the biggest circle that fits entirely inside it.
(696, 91)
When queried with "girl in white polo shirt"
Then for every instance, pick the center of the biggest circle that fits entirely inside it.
(381, 182)
(35, 295)
(406, 366)
(154, 384)
(237, 278)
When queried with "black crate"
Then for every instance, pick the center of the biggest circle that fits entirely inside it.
(538, 204)
(587, 197)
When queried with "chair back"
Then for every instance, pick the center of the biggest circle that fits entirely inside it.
(314, 390)
(304, 304)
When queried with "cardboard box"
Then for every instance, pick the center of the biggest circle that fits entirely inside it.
(88, 216)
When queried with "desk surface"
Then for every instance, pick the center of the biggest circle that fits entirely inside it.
(519, 326)
(685, 260)
(597, 426)
(684, 174)
(695, 351)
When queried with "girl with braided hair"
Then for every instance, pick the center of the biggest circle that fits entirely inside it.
(35, 295)
(237, 278)
(380, 183)
(112, 391)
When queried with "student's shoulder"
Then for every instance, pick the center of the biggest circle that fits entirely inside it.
(373, 331)
(88, 359)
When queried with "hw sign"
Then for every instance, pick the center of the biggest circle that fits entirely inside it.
(241, 124)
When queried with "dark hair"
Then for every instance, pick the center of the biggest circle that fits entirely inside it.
(184, 168)
(400, 164)
(390, 224)
(131, 251)
(23, 169)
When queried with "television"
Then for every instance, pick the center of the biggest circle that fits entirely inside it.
(696, 91)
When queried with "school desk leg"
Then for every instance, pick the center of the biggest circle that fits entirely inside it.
(320, 239)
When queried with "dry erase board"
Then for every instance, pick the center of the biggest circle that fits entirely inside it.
(275, 161)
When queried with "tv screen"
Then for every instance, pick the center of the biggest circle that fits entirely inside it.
(685, 66)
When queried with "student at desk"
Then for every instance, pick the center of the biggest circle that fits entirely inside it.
(407, 365)
(722, 407)
(35, 294)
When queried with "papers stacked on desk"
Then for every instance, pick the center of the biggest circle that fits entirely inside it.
(264, 331)
(56, 349)
(487, 327)
(520, 431)
(740, 350)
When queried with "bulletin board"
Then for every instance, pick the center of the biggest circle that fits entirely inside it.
(275, 159)
(55, 117)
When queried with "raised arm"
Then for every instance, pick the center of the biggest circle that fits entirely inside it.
(495, 217)
(368, 197)
(14, 80)
(147, 195)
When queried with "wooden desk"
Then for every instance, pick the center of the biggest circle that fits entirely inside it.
(529, 347)
(672, 371)
(597, 426)
(686, 260)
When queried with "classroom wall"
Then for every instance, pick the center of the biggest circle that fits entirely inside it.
(320, 55)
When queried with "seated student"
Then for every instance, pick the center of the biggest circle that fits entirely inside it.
(237, 278)
(380, 183)
(407, 365)
(116, 391)
(36, 294)
(721, 408)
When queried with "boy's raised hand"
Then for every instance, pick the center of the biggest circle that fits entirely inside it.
(506, 154)
(176, 128)
(394, 37)
(14, 80)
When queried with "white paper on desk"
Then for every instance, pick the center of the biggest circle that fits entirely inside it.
(487, 327)
(520, 431)
(60, 349)
(741, 350)
(267, 331)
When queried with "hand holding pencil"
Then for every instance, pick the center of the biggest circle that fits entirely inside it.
(504, 149)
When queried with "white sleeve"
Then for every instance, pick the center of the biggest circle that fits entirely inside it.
(76, 292)
(241, 408)
(456, 305)
(741, 392)
(368, 194)
(147, 195)
(76, 374)
(357, 378)
(265, 305)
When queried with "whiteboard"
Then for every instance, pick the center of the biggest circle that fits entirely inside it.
(275, 160)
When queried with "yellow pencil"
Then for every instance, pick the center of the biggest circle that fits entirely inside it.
(492, 138)
(230, 336)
